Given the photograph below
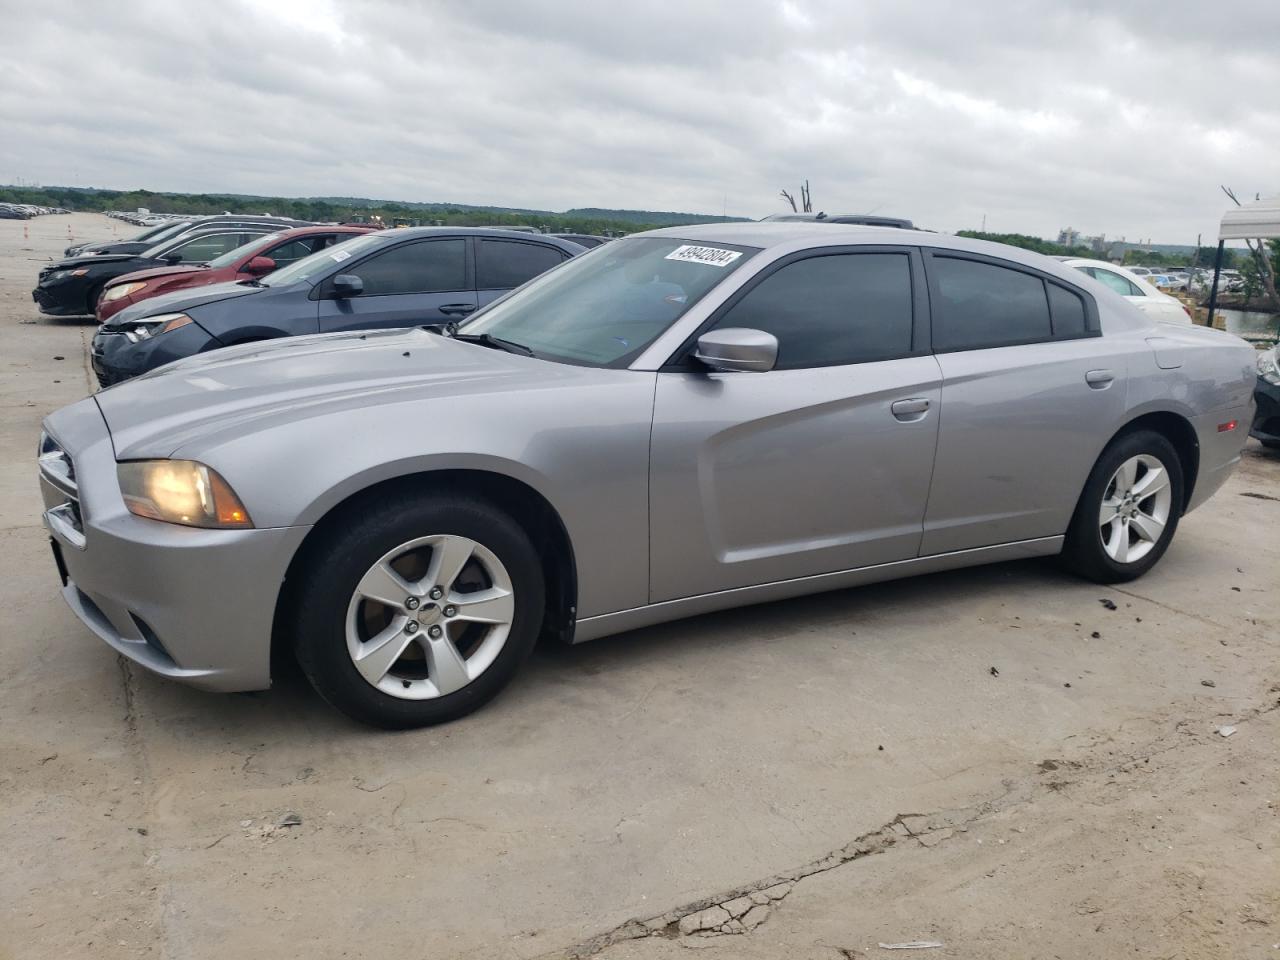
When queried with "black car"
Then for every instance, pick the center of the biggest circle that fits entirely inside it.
(70, 288)
(1266, 422)
(176, 228)
(587, 240)
(420, 276)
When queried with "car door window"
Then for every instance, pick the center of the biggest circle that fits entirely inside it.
(979, 304)
(505, 264)
(428, 266)
(204, 249)
(1121, 285)
(833, 309)
(292, 250)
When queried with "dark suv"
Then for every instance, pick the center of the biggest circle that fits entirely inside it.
(422, 276)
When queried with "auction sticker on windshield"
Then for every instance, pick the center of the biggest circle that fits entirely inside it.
(340, 255)
(711, 256)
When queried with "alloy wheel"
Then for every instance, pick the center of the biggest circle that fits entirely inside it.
(1135, 509)
(429, 617)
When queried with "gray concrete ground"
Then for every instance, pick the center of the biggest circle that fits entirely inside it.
(1079, 804)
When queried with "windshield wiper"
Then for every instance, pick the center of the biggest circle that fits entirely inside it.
(496, 343)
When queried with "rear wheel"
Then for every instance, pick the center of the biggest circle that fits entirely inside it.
(1128, 511)
(419, 613)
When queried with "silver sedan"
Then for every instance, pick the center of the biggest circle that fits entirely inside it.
(673, 423)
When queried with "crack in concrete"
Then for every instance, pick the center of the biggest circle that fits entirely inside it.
(727, 913)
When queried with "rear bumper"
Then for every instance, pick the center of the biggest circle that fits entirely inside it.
(1266, 422)
(1219, 449)
(193, 605)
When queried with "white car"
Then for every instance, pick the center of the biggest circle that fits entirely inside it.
(1134, 288)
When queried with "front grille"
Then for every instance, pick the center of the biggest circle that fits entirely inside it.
(60, 473)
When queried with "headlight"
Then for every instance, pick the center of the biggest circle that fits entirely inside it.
(180, 491)
(124, 290)
(154, 326)
(1269, 365)
(63, 274)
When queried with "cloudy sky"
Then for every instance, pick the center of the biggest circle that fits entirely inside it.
(1115, 116)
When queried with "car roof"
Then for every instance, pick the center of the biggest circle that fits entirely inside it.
(865, 219)
(401, 233)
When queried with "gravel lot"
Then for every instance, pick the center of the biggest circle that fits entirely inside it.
(854, 754)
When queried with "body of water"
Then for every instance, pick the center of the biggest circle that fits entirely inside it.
(1252, 324)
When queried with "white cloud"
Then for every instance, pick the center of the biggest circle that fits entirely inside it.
(1121, 118)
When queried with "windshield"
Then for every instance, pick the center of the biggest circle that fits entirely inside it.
(318, 264)
(603, 307)
(152, 233)
(166, 234)
(231, 256)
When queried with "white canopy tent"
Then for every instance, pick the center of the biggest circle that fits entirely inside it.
(1259, 220)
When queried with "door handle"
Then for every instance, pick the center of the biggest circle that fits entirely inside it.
(1099, 379)
(457, 309)
(909, 410)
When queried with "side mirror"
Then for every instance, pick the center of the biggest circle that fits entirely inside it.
(347, 285)
(738, 349)
(173, 258)
(258, 266)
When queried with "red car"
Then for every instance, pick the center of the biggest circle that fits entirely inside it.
(250, 261)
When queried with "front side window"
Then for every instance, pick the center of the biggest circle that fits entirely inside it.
(204, 249)
(603, 307)
(292, 250)
(505, 264)
(829, 310)
(426, 266)
(983, 305)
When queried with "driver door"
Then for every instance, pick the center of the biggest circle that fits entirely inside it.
(819, 465)
(420, 282)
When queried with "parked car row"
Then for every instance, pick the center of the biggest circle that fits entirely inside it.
(419, 276)
(25, 211)
(408, 511)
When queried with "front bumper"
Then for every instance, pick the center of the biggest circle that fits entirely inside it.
(62, 298)
(115, 358)
(1266, 422)
(192, 605)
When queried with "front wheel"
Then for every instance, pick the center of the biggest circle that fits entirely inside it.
(420, 612)
(1128, 511)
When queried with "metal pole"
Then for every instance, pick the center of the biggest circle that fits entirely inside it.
(1213, 291)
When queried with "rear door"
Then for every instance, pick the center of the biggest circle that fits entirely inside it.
(819, 465)
(420, 282)
(1029, 396)
(503, 265)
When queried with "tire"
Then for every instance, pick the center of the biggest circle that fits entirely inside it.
(91, 300)
(1123, 548)
(339, 624)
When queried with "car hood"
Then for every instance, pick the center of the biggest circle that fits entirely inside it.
(72, 263)
(179, 301)
(227, 393)
(154, 273)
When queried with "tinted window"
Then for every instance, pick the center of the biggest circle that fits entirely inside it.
(430, 266)
(982, 305)
(1121, 285)
(1068, 312)
(503, 264)
(204, 249)
(287, 253)
(848, 308)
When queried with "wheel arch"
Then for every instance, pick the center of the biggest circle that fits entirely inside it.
(1178, 430)
(526, 505)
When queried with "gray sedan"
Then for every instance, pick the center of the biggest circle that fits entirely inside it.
(672, 423)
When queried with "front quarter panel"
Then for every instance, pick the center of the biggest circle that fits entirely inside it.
(578, 436)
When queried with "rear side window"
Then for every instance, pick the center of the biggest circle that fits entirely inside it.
(1121, 285)
(830, 310)
(428, 266)
(983, 305)
(1067, 310)
(504, 264)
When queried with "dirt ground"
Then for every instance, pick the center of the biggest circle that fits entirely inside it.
(990, 759)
